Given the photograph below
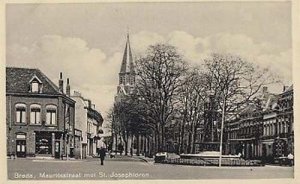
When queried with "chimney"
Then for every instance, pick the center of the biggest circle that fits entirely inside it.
(61, 83)
(265, 89)
(285, 88)
(90, 103)
(77, 93)
(68, 88)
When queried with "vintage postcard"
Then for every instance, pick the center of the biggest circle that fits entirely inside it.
(149, 91)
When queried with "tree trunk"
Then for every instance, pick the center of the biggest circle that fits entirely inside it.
(144, 145)
(156, 137)
(116, 143)
(163, 139)
(189, 143)
(181, 139)
(126, 144)
(158, 140)
(138, 145)
(194, 140)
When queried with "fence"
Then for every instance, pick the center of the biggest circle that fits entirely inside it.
(211, 162)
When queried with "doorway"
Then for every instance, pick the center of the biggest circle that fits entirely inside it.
(21, 148)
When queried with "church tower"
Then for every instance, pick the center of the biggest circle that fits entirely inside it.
(127, 72)
(125, 88)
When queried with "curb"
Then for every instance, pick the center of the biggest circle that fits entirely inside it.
(146, 160)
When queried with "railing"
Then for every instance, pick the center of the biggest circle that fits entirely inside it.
(212, 162)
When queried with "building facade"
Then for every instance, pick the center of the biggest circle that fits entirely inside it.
(264, 130)
(278, 126)
(88, 126)
(40, 116)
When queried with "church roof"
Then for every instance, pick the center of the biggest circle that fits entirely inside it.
(127, 62)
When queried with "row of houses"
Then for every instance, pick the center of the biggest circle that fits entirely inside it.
(263, 130)
(44, 119)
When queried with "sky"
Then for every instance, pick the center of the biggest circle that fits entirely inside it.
(86, 41)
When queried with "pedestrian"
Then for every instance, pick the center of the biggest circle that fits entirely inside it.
(102, 155)
(102, 150)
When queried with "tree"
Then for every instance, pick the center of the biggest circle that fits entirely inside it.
(159, 78)
(192, 96)
(129, 119)
(235, 82)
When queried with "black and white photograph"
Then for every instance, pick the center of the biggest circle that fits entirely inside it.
(149, 91)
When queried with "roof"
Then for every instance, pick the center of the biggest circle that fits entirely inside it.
(18, 80)
(271, 103)
(127, 62)
(289, 89)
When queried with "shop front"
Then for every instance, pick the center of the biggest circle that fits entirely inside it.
(48, 144)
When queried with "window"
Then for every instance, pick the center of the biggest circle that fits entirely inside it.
(89, 127)
(35, 87)
(35, 114)
(122, 80)
(67, 118)
(131, 80)
(51, 115)
(20, 113)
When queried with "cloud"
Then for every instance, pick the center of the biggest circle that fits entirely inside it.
(90, 71)
(95, 74)
(141, 41)
(196, 49)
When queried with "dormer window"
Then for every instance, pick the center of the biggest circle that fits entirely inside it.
(35, 85)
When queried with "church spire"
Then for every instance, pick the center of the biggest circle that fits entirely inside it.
(127, 62)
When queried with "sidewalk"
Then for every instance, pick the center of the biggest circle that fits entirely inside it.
(117, 158)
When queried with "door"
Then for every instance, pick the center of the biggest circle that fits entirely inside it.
(84, 150)
(57, 149)
(21, 148)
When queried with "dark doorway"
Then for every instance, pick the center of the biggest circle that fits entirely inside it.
(21, 148)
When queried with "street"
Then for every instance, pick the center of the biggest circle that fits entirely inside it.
(133, 168)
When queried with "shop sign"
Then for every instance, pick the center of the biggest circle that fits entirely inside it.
(21, 136)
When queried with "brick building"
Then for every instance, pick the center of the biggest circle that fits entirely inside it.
(39, 115)
(263, 130)
(243, 132)
(278, 126)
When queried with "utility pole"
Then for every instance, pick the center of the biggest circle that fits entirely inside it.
(222, 125)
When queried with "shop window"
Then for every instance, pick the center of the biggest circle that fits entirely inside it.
(51, 111)
(35, 114)
(43, 143)
(20, 113)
